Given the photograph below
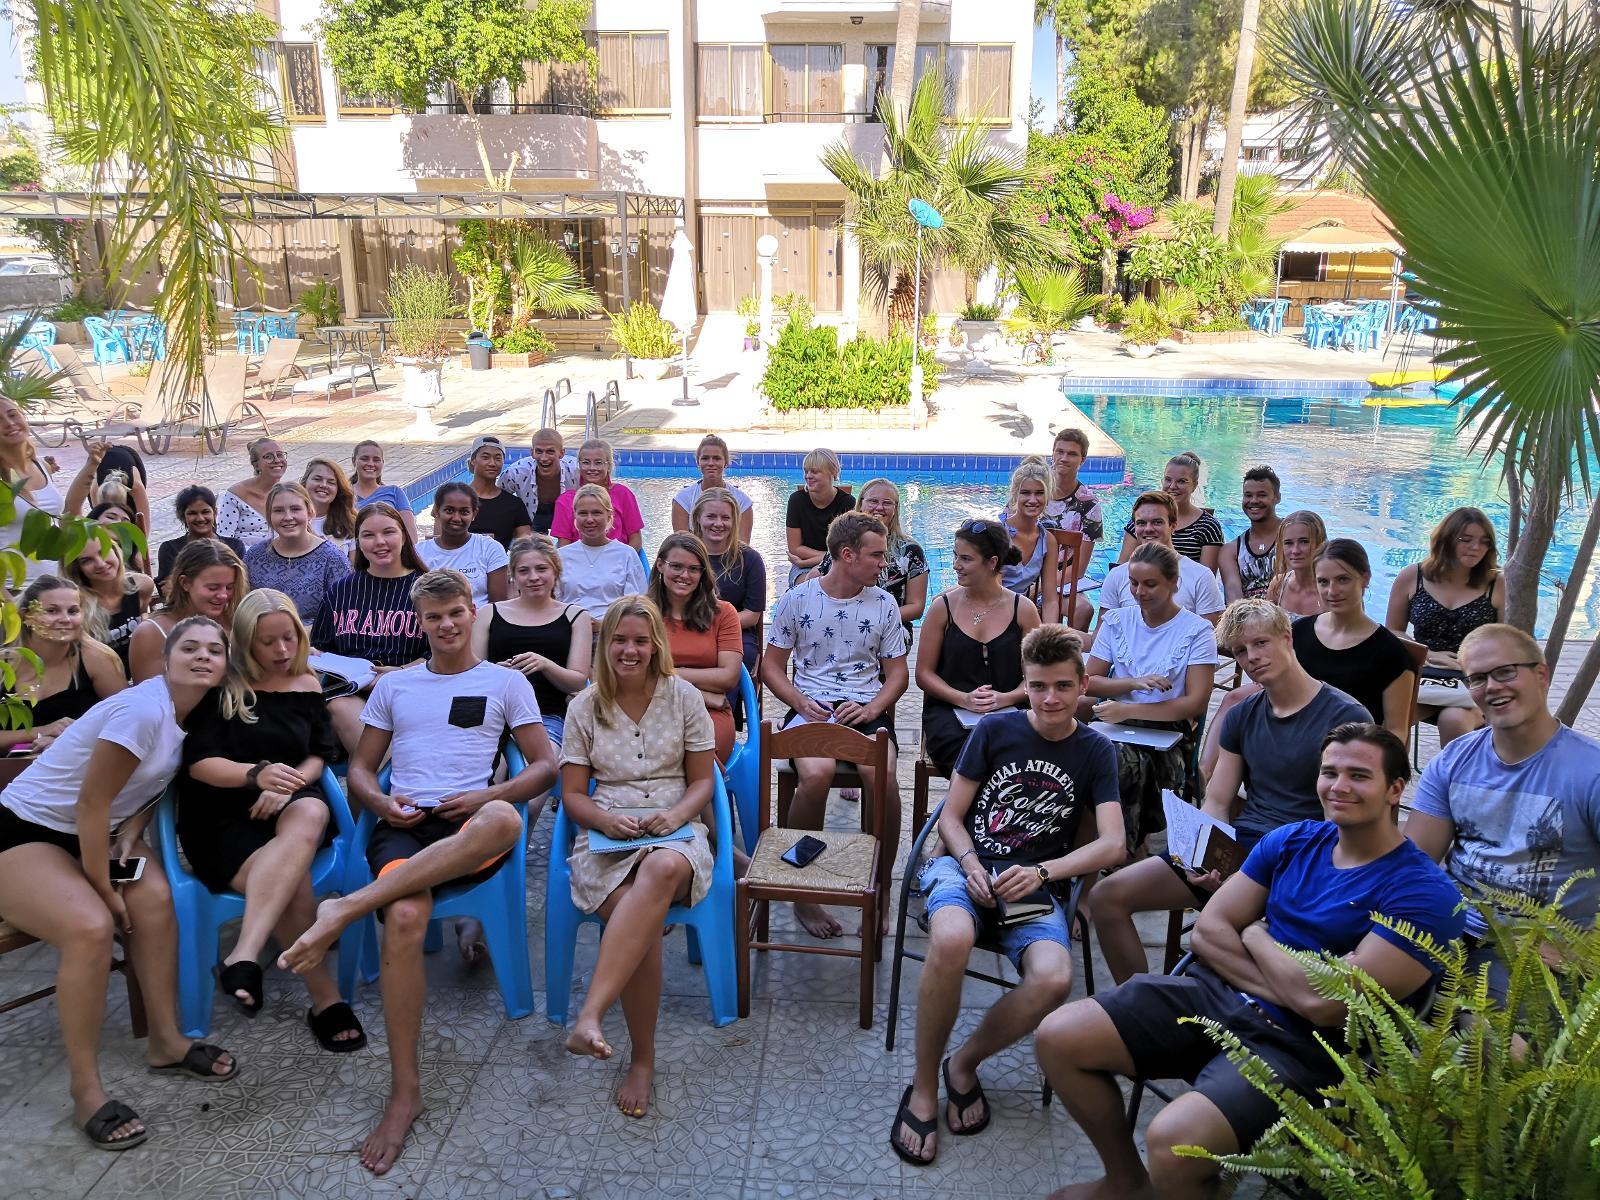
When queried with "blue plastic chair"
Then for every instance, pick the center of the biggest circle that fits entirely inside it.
(147, 339)
(499, 903)
(709, 924)
(201, 913)
(107, 344)
(1316, 326)
(743, 770)
(1275, 315)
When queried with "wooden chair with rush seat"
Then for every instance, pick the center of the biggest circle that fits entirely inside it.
(853, 871)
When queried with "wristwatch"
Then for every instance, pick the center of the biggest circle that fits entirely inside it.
(1044, 874)
(251, 775)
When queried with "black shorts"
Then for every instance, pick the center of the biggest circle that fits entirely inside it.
(390, 844)
(1147, 1011)
(16, 831)
(869, 728)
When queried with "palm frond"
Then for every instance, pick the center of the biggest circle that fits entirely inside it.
(549, 279)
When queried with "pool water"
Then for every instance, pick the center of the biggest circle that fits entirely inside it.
(1382, 476)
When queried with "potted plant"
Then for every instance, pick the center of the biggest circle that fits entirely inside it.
(421, 303)
(522, 346)
(1143, 326)
(320, 304)
(979, 325)
(749, 307)
(643, 334)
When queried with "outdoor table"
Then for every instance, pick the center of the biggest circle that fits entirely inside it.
(381, 324)
(346, 339)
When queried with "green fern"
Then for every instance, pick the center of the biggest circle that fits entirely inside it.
(1471, 1101)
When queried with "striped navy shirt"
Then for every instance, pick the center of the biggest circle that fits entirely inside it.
(367, 616)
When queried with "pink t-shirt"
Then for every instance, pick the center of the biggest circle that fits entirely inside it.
(626, 519)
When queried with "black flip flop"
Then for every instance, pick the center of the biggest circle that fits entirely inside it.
(109, 1116)
(242, 976)
(198, 1061)
(327, 1025)
(909, 1120)
(964, 1101)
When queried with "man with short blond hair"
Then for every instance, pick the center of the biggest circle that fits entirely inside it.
(539, 479)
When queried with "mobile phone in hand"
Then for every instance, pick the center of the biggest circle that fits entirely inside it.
(128, 871)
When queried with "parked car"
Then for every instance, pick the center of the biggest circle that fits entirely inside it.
(30, 266)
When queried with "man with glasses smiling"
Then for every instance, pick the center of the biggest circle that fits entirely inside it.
(1515, 806)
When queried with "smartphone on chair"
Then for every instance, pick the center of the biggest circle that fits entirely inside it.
(804, 852)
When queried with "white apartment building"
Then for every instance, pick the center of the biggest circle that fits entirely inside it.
(724, 104)
(1274, 143)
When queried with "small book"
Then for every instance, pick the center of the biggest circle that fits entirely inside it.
(1008, 913)
(599, 843)
(1197, 841)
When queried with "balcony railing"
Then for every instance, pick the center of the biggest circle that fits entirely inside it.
(549, 108)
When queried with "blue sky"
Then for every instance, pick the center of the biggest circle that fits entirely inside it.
(1044, 69)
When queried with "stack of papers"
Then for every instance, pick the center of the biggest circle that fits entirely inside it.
(1197, 840)
(358, 671)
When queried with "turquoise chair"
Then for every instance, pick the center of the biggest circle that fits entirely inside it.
(499, 903)
(201, 913)
(743, 770)
(1273, 317)
(709, 924)
(106, 343)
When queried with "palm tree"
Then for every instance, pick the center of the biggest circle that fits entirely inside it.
(903, 72)
(545, 278)
(1242, 66)
(1478, 139)
(971, 178)
(166, 93)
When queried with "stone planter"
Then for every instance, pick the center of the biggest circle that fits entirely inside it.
(1218, 338)
(499, 358)
(982, 337)
(71, 332)
(422, 387)
(897, 417)
(1133, 351)
(652, 368)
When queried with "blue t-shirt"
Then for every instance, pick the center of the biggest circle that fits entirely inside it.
(389, 494)
(1032, 792)
(1521, 827)
(1314, 905)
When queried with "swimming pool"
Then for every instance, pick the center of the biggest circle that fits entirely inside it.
(1382, 476)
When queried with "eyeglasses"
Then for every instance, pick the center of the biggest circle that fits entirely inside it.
(1501, 674)
(973, 527)
(673, 568)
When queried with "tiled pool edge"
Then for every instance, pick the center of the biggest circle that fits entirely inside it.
(1106, 385)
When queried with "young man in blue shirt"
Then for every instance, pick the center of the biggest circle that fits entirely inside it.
(1310, 885)
(1024, 785)
(1514, 806)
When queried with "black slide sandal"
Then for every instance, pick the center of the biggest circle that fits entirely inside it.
(963, 1101)
(243, 976)
(199, 1061)
(905, 1118)
(111, 1115)
(327, 1025)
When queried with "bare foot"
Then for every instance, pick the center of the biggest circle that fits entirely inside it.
(313, 945)
(383, 1144)
(817, 921)
(1104, 1189)
(469, 940)
(586, 1038)
(633, 1093)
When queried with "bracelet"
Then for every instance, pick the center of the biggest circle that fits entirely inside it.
(254, 772)
(962, 857)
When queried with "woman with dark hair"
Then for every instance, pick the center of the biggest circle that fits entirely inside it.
(333, 502)
(20, 467)
(500, 514)
(80, 806)
(196, 507)
(1152, 666)
(1196, 533)
(741, 573)
(251, 814)
(1451, 592)
(294, 560)
(702, 630)
(548, 640)
(970, 660)
(74, 671)
(368, 485)
(242, 512)
(207, 580)
(477, 556)
(120, 597)
(641, 736)
(1347, 649)
(369, 614)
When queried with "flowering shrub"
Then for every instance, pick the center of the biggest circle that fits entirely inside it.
(1086, 192)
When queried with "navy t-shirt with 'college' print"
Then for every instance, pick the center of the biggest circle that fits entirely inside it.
(367, 616)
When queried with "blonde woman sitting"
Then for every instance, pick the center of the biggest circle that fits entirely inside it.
(642, 736)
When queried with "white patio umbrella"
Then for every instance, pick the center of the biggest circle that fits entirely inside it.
(678, 307)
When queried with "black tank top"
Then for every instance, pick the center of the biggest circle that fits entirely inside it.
(121, 624)
(966, 664)
(553, 640)
(77, 698)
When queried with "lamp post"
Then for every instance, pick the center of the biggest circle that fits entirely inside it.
(927, 217)
(766, 255)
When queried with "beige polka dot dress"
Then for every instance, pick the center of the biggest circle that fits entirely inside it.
(636, 766)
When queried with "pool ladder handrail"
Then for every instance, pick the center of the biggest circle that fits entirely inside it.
(591, 406)
(553, 396)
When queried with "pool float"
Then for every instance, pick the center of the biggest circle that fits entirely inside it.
(1385, 381)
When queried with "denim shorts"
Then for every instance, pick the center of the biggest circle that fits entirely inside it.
(554, 727)
(943, 884)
